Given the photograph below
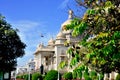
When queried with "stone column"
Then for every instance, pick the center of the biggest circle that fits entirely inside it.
(112, 76)
(40, 60)
(51, 61)
(106, 76)
(44, 61)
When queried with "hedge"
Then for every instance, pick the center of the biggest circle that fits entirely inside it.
(36, 76)
(118, 77)
(51, 75)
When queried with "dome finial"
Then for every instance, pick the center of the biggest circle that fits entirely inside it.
(70, 14)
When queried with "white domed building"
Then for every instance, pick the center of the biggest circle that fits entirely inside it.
(51, 55)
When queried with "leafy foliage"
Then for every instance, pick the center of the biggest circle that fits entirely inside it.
(20, 77)
(83, 71)
(11, 46)
(67, 76)
(118, 77)
(36, 76)
(26, 76)
(94, 3)
(100, 47)
(62, 64)
(51, 75)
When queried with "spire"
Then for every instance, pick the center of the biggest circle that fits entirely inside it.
(70, 14)
(41, 45)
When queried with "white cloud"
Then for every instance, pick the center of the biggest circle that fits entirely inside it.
(27, 28)
(29, 32)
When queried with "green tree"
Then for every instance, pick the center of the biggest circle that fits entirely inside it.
(100, 47)
(11, 47)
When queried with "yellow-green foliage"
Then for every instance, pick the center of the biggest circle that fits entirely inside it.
(36, 76)
(67, 75)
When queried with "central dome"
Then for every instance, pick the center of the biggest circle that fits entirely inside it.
(60, 35)
(70, 17)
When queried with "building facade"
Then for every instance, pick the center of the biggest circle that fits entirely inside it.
(51, 55)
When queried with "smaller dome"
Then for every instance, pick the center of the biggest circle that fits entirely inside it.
(51, 41)
(60, 35)
(41, 45)
(31, 60)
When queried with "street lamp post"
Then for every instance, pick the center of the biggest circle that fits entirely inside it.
(29, 69)
(29, 74)
(58, 75)
(57, 67)
(15, 74)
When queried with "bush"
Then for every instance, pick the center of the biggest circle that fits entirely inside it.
(88, 78)
(67, 75)
(51, 75)
(36, 76)
(118, 77)
(43, 77)
(18, 77)
(93, 75)
(26, 76)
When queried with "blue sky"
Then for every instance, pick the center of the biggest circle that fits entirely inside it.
(36, 17)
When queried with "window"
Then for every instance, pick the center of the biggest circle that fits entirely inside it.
(62, 58)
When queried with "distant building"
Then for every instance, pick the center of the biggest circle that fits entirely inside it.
(29, 67)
